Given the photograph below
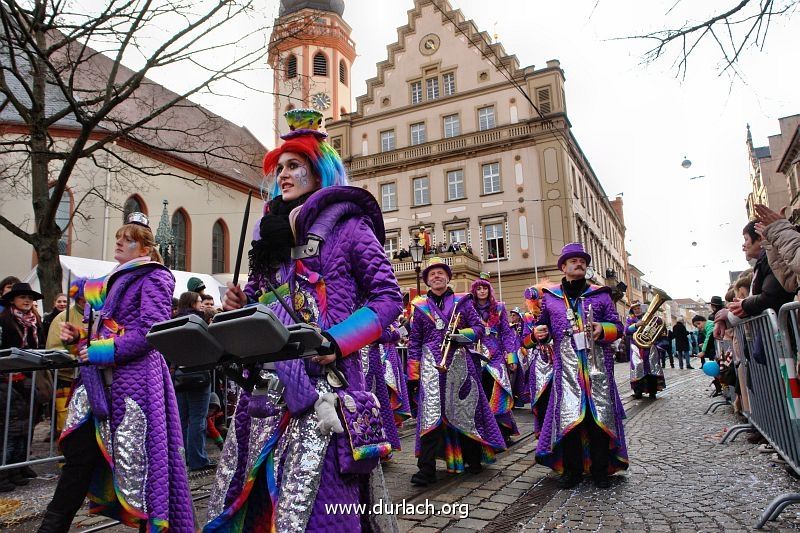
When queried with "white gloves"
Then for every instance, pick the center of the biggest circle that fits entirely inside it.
(329, 421)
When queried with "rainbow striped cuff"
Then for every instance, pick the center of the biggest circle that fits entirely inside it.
(101, 352)
(468, 333)
(610, 331)
(371, 451)
(512, 358)
(359, 329)
(529, 341)
(413, 369)
(631, 329)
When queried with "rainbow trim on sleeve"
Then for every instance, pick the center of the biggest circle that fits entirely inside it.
(610, 331)
(101, 352)
(512, 358)
(268, 297)
(371, 451)
(468, 333)
(359, 329)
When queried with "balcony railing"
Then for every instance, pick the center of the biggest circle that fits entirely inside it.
(456, 261)
(452, 144)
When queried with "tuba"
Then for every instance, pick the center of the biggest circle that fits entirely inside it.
(647, 334)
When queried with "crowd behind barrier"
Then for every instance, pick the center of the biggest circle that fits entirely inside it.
(764, 348)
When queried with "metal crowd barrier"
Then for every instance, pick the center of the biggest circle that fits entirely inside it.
(721, 346)
(766, 342)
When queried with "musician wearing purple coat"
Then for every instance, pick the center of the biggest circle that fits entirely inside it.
(647, 375)
(319, 249)
(454, 420)
(498, 349)
(385, 378)
(122, 438)
(583, 424)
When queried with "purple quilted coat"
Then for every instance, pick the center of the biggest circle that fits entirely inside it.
(583, 382)
(349, 290)
(144, 477)
(499, 345)
(454, 398)
(386, 379)
(644, 362)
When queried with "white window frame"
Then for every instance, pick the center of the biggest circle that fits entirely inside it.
(495, 238)
(387, 244)
(432, 88)
(421, 188)
(388, 143)
(494, 182)
(453, 127)
(455, 178)
(486, 118)
(449, 83)
(418, 134)
(389, 196)
(450, 233)
(416, 92)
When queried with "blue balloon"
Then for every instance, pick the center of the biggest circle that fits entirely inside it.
(711, 368)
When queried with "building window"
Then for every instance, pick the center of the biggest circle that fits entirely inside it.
(422, 191)
(336, 142)
(455, 185)
(63, 212)
(452, 126)
(543, 95)
(320, 64)
(449, 83)
(486, 118)
(389, 196)
(491, 178)
(387, 141)
(418, 133)
(134, 204)
(432, 87)
(342, 72)
(416, 92)
(180, 225)
(457, 236)
(495, 241)
(391, 245)
(291, 67)
(219, 239)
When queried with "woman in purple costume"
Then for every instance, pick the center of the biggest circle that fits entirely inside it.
(387, 381)
(583, 425)
(647, 375)
(319, 249)
(540, 369)
(498, 351)
(122, 438)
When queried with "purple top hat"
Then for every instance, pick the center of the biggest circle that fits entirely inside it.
(436, 262)
(573, 249)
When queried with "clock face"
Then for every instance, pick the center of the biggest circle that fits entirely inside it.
(321, 101)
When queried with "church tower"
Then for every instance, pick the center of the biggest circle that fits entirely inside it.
(311, 54)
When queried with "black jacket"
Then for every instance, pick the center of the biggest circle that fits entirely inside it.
(11, 333)
(681, 337)
(767, 292)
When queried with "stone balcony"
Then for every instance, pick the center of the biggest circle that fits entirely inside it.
(434, 149)
(465, 266)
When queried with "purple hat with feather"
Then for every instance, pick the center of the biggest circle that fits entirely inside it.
(573, 249)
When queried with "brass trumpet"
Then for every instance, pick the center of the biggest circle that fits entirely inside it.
(452, 327)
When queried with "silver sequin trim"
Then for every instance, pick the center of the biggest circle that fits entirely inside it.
(383, 522)
(130, 456)
(104, 428)
(601, 391)
(388, 371)
(228, 461)
(364, 352)
(261, 430)
(461, 413)
(430, 402)
(301, 452)
(637, 364)
(543, 371)
(570, 407)
(655, 362)
(78, 408)
(500, 375)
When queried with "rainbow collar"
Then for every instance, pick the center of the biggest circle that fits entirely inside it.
(96, 290)
(423, 304)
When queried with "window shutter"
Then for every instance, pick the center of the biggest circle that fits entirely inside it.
(543, 95)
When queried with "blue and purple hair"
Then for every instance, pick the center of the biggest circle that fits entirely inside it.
(326, 164)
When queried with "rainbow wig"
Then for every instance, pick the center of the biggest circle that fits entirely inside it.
(326, 164)
(76, 288)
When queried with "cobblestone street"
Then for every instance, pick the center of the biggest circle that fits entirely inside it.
(680, 479)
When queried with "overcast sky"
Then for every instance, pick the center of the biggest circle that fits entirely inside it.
(634, 122)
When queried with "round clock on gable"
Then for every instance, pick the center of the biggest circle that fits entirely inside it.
(321, 101)
(429, 44)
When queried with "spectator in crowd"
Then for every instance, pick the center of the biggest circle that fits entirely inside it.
(682, 346)
(706, 327)
(766, 291)
(196, 285)
(208, 302)
(20, 327)
(193, 391)
(174, 307)
(716, 305)
(781, 240)
(664, 342)
(60, 305)
(5, 286)
(215, 420)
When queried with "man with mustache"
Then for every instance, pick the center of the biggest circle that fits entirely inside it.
(582, 428)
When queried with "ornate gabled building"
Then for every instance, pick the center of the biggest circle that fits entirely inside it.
(447, 141)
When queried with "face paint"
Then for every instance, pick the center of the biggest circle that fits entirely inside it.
(133, 245)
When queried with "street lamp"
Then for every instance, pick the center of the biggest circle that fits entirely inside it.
(416, 252)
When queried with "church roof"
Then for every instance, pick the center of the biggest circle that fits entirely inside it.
(290, 6)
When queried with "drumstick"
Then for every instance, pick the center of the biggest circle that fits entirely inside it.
(69, 282)
(241, 240)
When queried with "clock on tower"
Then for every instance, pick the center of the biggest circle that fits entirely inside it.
(321, 101)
